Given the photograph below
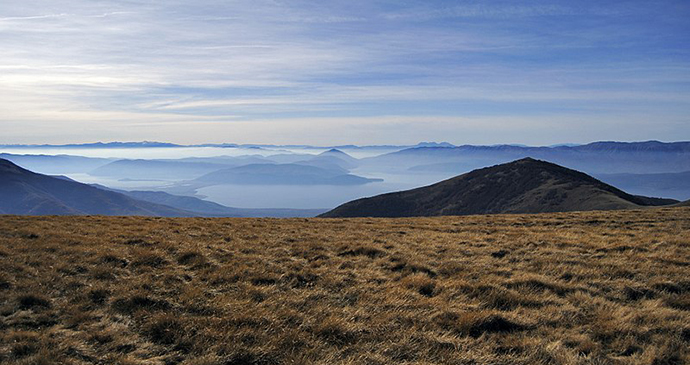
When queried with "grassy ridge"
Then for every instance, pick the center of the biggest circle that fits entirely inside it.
(568, 288)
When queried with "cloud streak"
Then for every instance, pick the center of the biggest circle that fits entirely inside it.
(34, 17)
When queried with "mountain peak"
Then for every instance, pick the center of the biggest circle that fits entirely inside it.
(526, 160)
(333, 151)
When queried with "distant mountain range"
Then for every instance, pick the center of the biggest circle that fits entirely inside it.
(523, 186)
(593, 158)
(23, 192)
(143, 144)
(649, 168)
(602, 145)
(151, 144)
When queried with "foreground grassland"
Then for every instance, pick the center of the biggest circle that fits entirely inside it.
(572, 288)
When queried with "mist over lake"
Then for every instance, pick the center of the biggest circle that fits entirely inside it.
(182, 152)
(307, 197)
(307, 177)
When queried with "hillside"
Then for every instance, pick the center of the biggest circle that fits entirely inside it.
(560, 288)
(25, 192)
(523, 186)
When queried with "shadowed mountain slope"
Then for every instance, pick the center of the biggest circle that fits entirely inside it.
(28, 193)
(522, 186)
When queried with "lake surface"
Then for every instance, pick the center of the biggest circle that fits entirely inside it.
(310, 196)
(292, 196)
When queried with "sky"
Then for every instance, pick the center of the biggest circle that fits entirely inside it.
(344, 72)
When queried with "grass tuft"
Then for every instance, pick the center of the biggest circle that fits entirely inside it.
(31, 301)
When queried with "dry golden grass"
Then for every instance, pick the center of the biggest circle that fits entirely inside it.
(571, 288)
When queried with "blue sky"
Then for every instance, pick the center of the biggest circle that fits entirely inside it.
(327, 72)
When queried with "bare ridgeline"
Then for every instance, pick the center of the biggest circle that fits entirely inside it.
(555, 288)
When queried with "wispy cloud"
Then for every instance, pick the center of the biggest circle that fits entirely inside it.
(33, 17)
(486, 10)
(113, 13)
(264, 63)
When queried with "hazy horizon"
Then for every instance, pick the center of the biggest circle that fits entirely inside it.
(232, 144)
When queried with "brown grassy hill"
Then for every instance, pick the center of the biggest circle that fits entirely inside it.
(26, 192)
(562, 288)
(522, 186)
